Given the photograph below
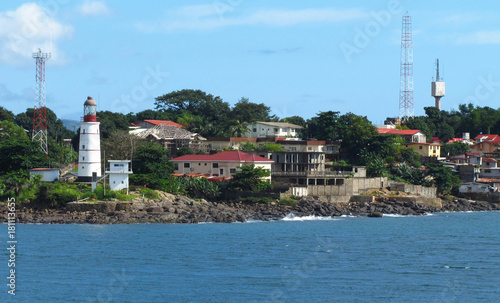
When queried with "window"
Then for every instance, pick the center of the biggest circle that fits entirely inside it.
(254, 130)
(187, 165)
(309, 148)
(215, 165)
(232, 170)
(84, 131)
(83, 146)
(83, 158)
(199, 164)
(276, 130)
(293, 148)
(205, 164)
(420, 147)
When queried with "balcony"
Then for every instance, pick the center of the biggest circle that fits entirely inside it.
(341, 174)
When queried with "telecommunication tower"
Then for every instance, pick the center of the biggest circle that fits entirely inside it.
(406, 109)
(437, 87)
(40, 110)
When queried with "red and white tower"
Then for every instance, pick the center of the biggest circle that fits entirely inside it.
(89, 154)
(406, 109)
(40, 111)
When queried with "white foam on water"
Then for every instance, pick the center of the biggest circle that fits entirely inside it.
(394, 215)
(292, 217)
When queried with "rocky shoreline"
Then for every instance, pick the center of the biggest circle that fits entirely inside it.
(180, 209)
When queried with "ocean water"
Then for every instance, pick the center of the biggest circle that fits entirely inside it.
(443, 257)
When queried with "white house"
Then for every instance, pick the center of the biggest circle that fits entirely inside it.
(272, 129)
(223, 164)
(118, 172)
(48, 174)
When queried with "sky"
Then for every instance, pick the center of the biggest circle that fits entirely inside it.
(298, 57)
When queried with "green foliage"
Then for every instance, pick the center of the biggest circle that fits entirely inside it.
(247, 146)
(18, 184)
(20, 154)
(56, 194)
(151, 158)
(184, 151)
(6, 115)
(290, 201)
(247, 111)
(270, 147)
(149, 193)
(250, 178)
(10, 131)
(376, 167)
(443, 178)
(120, 145)
(409, 174)
(111, 122)
(455, 148)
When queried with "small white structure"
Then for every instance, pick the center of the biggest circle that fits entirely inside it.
(89, 153)
(118, 172)
(48, 174)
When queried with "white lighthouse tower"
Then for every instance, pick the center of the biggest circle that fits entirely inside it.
(89, 155)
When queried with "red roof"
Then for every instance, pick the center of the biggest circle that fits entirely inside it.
(489, 160)
(401, 132)
(485, 137)
(225, 156)
(158, 122)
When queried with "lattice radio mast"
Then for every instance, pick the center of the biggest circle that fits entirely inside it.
(406, 109)
(40, 113)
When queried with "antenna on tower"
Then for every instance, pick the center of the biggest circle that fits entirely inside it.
(40, 109)
(406, 109)
(437, 88)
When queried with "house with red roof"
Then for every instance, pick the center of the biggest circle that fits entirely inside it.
(486, 144)
(410, 135)
(223, 164)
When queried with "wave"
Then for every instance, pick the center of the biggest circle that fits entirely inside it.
(292, 217)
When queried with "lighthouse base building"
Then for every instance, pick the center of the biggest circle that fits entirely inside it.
(89, 153)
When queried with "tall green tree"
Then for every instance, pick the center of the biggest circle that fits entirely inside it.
(6, 115)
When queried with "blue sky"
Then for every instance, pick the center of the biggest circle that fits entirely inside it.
(298, 57)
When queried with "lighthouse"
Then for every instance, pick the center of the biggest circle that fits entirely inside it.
(89, 154)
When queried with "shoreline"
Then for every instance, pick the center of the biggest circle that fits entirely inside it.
(180, 209)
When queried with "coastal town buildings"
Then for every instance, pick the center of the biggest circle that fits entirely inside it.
(224, 164)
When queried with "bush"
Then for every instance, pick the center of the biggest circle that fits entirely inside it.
(149, 193)
(288, 201)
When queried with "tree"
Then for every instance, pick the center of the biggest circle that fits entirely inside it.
(247, 146)
(184, 151)
(250, 178)
(120, 145)
(357, 134)
(246, 111)
(150, 158)
(455, 148)
(6, 115)
(20, 154)
(443, 177)
(323, 126)
(111, 121)
(10, 131)
(212, 111)
(150, 114)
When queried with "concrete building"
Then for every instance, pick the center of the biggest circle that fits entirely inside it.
(48, 174)
(223, 164)
(89, 153)
(273, 129)
(410, 135)
(431, 150)
(118, 172)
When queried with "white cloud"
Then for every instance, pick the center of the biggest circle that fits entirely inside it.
(27, 29)
(480, 37)
(211, 16)
(93, 8)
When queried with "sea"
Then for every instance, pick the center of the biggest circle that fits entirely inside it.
(440, 257)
